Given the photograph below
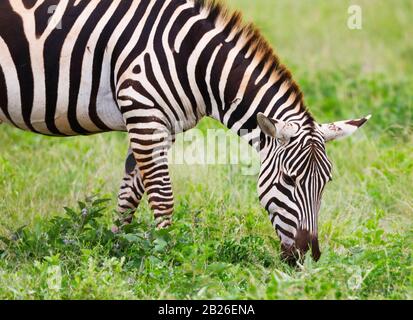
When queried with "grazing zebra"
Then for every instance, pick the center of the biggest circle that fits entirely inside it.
(154, 68)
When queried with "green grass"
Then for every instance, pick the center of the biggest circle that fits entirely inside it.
(222, 244)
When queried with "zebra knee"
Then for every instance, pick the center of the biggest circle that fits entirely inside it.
(131, 190)
(129, 197)
(127, 205)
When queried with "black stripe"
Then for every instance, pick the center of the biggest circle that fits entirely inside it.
(289, 108)
(3, 96)
(284, 206)
(143, 37)
(28, 4)
(106, 34)
(52, 53)
(284, 232)
(188, 45)
(161, 55)
(124, 39)
(216, 73)
(204, 59)
(76, 63)
(12, 32)
(251, 92)
(47, 9)
(287, 221)
(151, 77)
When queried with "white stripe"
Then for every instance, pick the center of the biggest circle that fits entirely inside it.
(55, 20)
(149, 88)
(171, 60)
(193, 61)
(131, 44)
(226, 71)
(241, 90)
(157, 69)
(87, 73)
(286, 104)
(38, 114)
(252, 109)
(61, 115)
(105, 103)
(274, 208)
(284, 226)
(13, 86)
(283, 89)
(215, 112)
(187, 27)
(130, 93)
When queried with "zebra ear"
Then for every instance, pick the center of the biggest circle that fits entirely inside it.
(341, 129)
(267, 125)
(276, 128)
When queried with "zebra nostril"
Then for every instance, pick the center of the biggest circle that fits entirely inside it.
(315, 249)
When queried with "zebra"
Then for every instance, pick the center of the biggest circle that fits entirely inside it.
(154, 69)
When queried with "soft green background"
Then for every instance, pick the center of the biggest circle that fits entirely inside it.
(222, 244)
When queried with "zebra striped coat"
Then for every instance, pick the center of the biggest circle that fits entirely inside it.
(154, 68)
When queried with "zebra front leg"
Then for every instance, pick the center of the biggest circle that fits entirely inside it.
(150, 142)
(131, 190)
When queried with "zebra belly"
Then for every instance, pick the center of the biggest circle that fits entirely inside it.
(107, 112)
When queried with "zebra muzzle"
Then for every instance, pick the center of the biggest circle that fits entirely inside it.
(304, 241)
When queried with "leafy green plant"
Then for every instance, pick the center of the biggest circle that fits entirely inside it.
(221, 244)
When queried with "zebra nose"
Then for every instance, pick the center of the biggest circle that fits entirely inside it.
(305, 241)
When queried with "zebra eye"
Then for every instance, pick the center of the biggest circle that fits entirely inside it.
(288, 179)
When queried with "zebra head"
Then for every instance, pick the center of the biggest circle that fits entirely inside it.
(294, 172)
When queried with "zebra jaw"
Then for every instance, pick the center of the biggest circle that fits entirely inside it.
(342, 129)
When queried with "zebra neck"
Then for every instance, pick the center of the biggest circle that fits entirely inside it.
(235, 75)
(253, 86)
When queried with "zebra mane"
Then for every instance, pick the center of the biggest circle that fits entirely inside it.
(256, 46)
